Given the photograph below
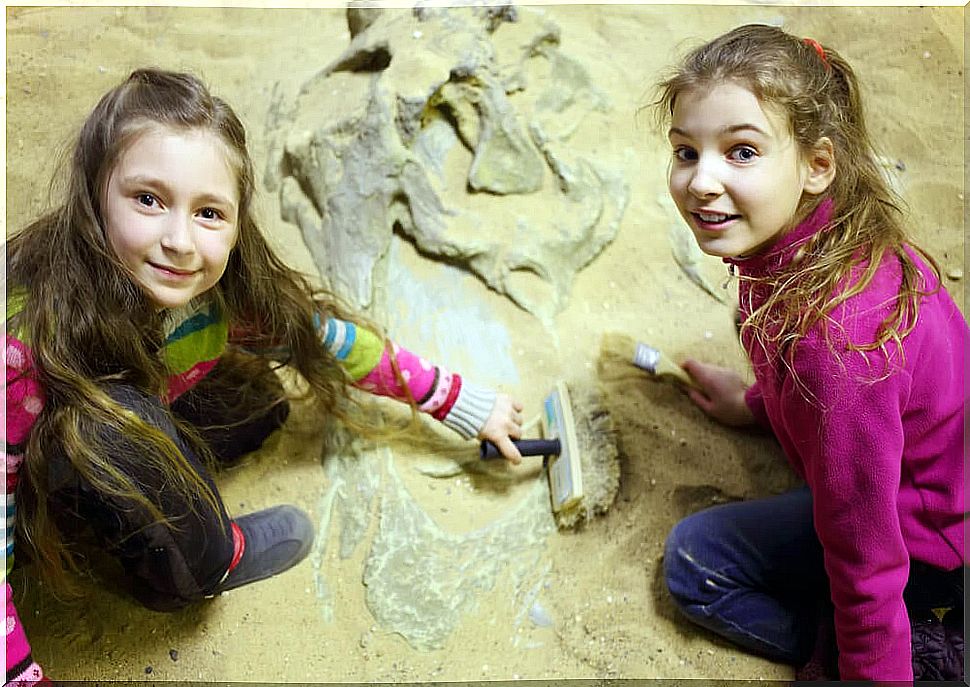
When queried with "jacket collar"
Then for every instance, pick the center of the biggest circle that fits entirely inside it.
(783, 250)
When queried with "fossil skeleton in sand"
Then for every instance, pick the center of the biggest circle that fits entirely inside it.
(450, 127)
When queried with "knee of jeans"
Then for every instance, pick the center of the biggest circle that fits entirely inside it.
(170, 573)
(686, 576)
(146, 406)
(161, 603)
(129, 396)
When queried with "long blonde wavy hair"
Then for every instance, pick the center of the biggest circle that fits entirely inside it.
(91, 326)
(819, 92)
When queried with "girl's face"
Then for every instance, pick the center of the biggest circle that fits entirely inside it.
(170, 210)
(737, 175)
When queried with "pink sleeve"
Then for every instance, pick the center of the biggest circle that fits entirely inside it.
(433, 388)
(850, 439)
(755, 401)
(21, 667)
(25, 397)
(460, 405)
(25, 400)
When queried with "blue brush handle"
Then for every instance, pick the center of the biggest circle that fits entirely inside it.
(527, 447)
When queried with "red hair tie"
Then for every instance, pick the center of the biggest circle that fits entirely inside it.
(819, 49)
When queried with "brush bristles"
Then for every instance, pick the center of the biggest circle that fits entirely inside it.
(599, 457)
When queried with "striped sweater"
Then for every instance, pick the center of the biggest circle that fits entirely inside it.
(196, 337)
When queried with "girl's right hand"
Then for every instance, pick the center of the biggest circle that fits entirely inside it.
(503, 425)
(721, 395)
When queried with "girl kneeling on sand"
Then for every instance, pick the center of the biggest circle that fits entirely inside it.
(145, 317)
(858, 356)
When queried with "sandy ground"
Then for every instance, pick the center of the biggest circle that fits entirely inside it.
(610, 615)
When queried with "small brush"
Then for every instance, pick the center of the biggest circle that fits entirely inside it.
(652, 361)
(622, 347)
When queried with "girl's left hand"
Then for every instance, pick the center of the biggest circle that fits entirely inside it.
(503, 425)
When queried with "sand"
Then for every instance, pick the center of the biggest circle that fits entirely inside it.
(604, 609)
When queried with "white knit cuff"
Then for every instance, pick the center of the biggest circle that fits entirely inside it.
(471, 410)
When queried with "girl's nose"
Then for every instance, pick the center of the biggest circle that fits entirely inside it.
(705, 182)
(177, 236)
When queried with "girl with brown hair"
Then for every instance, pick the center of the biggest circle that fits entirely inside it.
(858, 358)
(145, 318)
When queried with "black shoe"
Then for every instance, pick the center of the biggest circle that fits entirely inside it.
(276, 539)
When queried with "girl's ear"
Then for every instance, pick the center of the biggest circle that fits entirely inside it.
(821, 166)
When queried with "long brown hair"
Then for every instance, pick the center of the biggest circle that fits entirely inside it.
(90, 325)
(818, 91)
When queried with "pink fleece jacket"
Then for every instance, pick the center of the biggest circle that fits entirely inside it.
(879, 442)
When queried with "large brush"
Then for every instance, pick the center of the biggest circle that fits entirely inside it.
(582, 460)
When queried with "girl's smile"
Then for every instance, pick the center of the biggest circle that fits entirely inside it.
(173, 273)
(709, 220)
(737, 176)
(170, 213)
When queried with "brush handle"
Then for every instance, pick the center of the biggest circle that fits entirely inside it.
(668, 368)
(527, 447)
(652, 361)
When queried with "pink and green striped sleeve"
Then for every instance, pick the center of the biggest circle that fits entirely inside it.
(446, 396)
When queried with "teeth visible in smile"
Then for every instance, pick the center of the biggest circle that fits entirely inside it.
(712, 216)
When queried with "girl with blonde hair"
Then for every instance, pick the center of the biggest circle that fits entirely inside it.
(858, 357)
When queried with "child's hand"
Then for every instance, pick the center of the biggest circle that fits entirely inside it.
(721, 395)
(503, 425)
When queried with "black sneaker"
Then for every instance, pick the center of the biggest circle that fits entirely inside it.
(276, 539)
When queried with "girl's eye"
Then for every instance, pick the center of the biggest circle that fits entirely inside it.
(210, 214)
(685, 154)
(743, 154)
(147, 199)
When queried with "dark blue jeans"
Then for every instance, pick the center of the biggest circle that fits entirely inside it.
(752, 572)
